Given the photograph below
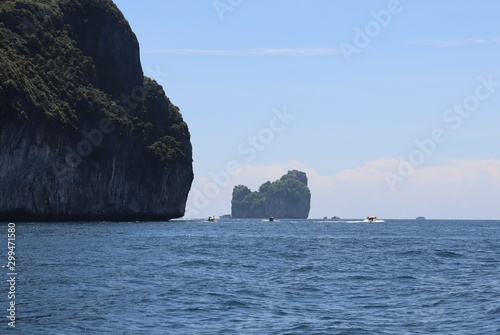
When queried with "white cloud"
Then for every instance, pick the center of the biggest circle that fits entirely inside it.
(461, 189)
(454, 43)
(250, 52)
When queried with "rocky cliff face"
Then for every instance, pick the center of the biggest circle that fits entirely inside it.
(83, 134)
(288, 197)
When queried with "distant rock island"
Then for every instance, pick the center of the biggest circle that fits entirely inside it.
(84, 135)
(288, 197)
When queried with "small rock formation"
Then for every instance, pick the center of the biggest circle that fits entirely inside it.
(288, 197)
(83, 134)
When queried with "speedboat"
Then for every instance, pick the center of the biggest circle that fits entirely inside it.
(371, 218)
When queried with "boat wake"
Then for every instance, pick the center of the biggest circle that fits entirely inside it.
(365, 221)
(348, 221)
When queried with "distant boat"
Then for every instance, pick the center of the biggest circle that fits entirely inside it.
(211, 219)
(371, 218)
(420, 218)
(271, 219)
(335, 218)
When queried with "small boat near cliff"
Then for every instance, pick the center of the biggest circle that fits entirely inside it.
(269, 219)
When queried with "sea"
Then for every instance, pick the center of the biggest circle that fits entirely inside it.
(244, 276)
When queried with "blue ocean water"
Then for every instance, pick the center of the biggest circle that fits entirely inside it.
(254, 277)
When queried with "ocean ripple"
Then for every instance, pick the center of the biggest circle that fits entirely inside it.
(246, 277)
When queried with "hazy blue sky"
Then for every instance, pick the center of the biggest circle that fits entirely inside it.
(390, 107)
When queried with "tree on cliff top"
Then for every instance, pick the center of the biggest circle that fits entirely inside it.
(287, 197)
(65, 62)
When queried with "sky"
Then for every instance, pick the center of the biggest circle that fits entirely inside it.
(390, 107)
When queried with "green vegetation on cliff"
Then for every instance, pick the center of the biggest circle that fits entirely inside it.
(61, 63)
(83, 134)
(287, 197)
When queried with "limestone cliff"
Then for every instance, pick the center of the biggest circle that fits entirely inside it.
(288, 197)
(83, 134)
